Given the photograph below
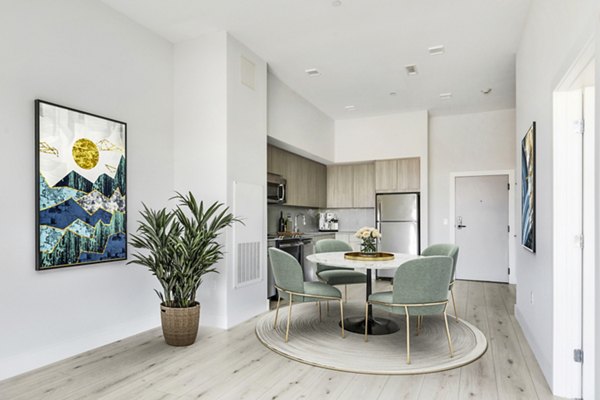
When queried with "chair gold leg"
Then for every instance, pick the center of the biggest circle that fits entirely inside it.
(287, 329)
(407, 335)
(277, 311)
(319, 305)
(366, 321)
(342, 317)
(454, 303)
(448, 334)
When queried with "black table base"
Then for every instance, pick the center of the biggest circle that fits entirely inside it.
(377, 326)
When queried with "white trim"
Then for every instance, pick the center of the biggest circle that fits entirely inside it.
(512, 278)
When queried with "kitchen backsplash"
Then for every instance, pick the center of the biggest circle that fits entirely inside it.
(350, 219)
(310, 215)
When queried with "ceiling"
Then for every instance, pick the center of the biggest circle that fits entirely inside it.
(361, 47)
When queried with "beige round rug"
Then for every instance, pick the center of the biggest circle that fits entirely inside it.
(320, 343)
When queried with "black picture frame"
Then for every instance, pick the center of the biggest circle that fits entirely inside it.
(74, 196)
(528, 192)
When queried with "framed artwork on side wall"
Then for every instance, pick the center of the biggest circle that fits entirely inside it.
(81, 187)
(528, 190)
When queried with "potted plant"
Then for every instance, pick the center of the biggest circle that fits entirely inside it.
(182, 246)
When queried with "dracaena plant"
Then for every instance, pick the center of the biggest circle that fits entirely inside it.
(181, 246)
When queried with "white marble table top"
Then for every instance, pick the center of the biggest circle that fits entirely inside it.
(337, 259)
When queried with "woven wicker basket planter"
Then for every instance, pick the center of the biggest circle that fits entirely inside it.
(180, 325)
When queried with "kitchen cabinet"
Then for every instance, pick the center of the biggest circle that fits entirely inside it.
(363, 185)
(349, 238)
(351, 186)
(306, 179)
(340, 186)
(401, 175)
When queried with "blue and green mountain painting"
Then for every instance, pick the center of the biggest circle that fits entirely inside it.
(81, 221)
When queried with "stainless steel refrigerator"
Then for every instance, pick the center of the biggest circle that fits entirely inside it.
(398, 219)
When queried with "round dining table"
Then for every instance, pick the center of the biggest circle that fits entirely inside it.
(376, 326)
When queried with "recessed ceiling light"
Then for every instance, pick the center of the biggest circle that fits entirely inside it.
(487, 91)
(437, 50)
(336, 3)
(350, 108)
(411, 69)
(445, 96)
(393, 93)
(312, 72)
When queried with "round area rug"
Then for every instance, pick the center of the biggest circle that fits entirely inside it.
(320, 343)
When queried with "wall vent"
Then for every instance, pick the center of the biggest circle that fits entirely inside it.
(437, 50)
(247, 263)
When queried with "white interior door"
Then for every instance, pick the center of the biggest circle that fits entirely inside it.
(481, 227)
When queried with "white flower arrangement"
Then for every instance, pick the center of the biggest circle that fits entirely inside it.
(369, 237)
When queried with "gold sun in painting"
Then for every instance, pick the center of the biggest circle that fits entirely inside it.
(85, 153)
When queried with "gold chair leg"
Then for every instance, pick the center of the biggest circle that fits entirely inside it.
(366, 321)
(277, 311)
(342, 316)
(287, 329)
(345, 293)
(454, 303)
(448, 334)
(407, 335)
(319, 305)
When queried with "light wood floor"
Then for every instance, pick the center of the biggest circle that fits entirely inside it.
(234, 365)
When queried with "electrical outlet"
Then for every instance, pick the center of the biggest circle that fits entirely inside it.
(531, 297)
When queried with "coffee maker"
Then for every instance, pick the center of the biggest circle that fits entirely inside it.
(328, 222)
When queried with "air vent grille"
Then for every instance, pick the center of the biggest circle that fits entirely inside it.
(437, 50)
(411, 69)
(248, 263)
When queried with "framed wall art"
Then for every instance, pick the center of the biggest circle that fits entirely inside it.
(528, 190)
(81, 187)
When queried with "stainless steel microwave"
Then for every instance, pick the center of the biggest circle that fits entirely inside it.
(276, 189)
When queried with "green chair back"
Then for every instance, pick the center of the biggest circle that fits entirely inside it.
(330, 246)
(423, 280)
(443, 249)
(287, 272)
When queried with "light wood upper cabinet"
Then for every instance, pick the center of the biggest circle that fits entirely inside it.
(363, 185)
(340, 186)
(401, 175)
(409, 175)
(306, 179)
(386, 175)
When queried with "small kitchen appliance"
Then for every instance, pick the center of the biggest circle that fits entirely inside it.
(328, 222)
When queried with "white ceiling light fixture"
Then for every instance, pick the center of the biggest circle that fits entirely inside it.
(446, 96)
(411, 69)
(350, 108)
(312, 72)
(437, 50)
(336, 3)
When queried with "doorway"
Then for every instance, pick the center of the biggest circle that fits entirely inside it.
(574, 219)
(481, 226)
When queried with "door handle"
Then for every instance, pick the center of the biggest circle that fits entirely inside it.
(460, 226)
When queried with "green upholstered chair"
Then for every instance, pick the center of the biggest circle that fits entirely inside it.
(420, 288)
(337, 275)
(290, 285)
(448, 250)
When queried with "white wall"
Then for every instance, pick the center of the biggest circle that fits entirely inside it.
(459, 143)
(247, 165)
(220, 139)
(554, 34)
(386, 137)
(200, 144)
(297, 125)
(84, 55)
